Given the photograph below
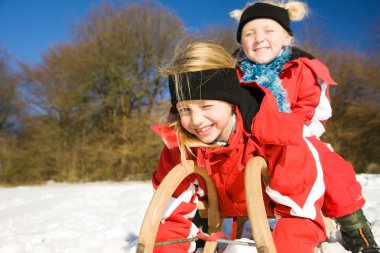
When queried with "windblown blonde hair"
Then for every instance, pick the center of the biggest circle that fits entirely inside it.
(190, 57)
(296, 10)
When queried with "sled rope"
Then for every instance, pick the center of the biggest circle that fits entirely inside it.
(219, 237)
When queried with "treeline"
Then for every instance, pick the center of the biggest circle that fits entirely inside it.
(83, 113)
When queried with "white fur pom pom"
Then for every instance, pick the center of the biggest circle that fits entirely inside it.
(236, 14)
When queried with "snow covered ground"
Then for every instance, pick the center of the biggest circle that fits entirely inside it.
(101, 217)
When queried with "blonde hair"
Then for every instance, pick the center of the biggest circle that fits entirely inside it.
(190, 57)
(296, 10)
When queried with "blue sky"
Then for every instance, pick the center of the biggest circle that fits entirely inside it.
(29, 27)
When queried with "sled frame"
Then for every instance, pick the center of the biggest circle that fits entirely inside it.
(255, 171)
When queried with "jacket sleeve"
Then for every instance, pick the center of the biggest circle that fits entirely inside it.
(181, 207)
(313, 96)
(308, 95)
(273, 127)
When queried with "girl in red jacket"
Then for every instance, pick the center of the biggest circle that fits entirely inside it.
(220, 125)
(300, 84)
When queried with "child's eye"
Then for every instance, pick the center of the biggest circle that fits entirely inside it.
(269, 31)
(183, 110)
(206, 106)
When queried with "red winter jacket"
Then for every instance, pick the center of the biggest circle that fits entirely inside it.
(296, 181)
(307, 82)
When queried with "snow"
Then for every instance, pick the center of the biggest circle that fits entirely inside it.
(101, 217)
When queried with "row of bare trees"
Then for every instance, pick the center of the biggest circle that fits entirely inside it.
(89, 104)
(84, 112)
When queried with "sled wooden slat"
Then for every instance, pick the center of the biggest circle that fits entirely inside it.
(255, 206)
(255, 170)
(160, 198)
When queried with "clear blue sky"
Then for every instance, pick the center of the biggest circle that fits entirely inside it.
(29, 27)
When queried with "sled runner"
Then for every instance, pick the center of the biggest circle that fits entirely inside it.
(256, 169)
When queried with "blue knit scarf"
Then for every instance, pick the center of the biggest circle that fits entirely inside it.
(268, 76)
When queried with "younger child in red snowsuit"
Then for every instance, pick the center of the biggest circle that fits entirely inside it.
(300, 84)
(220, 125)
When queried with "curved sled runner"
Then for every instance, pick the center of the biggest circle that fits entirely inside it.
(255, 169)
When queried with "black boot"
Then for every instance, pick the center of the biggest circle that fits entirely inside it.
(356, 233)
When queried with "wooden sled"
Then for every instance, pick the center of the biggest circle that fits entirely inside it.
(256, 169)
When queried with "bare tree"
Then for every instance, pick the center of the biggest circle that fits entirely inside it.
(356, 119)
(8, 93)
(10, 108)
(128, 45)
(222, 35)
(90, 101)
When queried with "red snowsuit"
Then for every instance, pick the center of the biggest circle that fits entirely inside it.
(307, 81)
(296, 184)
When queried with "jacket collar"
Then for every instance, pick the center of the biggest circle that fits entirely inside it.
(207, 157)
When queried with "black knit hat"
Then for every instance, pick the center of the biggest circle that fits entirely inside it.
(264, 10)
(214, 84)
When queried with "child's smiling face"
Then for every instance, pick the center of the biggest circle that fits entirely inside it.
(209, 120)
(262, 40)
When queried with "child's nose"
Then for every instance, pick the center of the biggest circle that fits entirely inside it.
(196, 119)
(259, 37)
